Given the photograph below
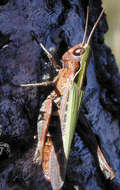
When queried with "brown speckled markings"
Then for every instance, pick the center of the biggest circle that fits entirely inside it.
(106, 169)
(47, 154)
(42, 127)
(63, 109)
(46, 157)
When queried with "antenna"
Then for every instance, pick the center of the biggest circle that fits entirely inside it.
(86, 25)
(94, 27)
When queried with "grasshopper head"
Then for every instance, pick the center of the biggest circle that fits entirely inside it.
(73, 56)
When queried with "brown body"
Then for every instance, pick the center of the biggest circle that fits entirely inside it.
(70, 67)
(53, 161)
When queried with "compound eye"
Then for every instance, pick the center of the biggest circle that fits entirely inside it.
(79, 51)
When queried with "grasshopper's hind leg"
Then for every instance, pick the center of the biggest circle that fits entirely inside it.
(42, 128)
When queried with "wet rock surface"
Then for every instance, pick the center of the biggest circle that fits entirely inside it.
(59, 25)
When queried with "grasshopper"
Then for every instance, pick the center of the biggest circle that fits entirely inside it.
(64, 104)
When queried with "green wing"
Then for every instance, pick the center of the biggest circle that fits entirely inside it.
(74, 101)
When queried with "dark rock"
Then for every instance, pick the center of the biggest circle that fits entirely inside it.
(59, 25)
